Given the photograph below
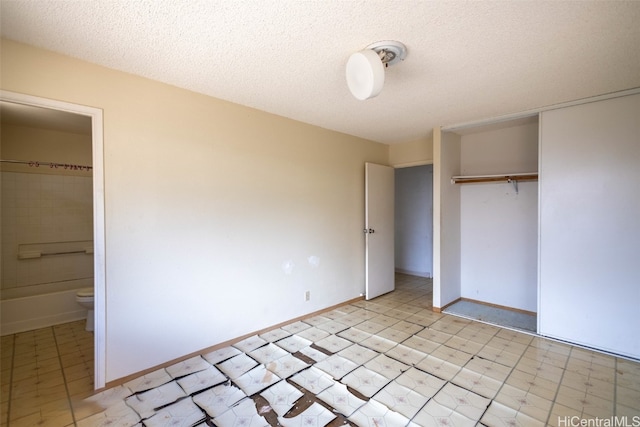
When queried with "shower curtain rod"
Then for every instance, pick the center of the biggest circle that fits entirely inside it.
(50, 164)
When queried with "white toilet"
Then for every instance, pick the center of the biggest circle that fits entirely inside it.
(84, 297)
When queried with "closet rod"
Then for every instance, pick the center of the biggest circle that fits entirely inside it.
(466, 179)
(52, 165)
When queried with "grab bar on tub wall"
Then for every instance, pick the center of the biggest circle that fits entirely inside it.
(38, 254)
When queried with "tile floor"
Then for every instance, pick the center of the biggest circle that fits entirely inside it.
(386, 362)
(42, 372)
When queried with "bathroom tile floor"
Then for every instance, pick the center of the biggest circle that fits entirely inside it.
(388, 362)
(43, 371)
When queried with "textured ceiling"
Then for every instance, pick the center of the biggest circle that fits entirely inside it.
(466, 60)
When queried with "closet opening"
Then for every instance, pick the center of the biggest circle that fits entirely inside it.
(494, 174)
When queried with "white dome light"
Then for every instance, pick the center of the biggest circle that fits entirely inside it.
(366, 69)
(365, 74)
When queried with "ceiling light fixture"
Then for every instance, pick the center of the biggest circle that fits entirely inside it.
(365, 69)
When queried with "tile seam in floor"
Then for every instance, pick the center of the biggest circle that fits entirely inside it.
(472, 356)
(505, 381)
(64, 376)
(555, 396)
(13, 361)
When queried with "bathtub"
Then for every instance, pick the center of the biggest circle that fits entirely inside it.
(39, 311)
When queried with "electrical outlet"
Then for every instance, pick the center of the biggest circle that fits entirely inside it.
(307, 295)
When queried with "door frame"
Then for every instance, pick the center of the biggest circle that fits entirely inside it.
(97, 145)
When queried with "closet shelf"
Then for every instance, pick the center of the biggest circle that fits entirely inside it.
(511, 177)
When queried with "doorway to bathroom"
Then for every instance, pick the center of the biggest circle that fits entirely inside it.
(52, 216)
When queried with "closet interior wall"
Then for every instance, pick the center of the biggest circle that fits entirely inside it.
(499, 220)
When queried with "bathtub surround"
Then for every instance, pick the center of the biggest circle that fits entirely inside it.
(42, 215)
(47, 248)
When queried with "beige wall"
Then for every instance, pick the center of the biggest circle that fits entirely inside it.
(218, 217)
(412, 153)
(508, 149)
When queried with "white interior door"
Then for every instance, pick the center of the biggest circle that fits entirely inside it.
(379, 223)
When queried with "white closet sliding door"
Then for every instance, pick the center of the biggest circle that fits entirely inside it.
(590, 224)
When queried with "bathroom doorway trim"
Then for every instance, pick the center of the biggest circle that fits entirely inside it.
(98, 217)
